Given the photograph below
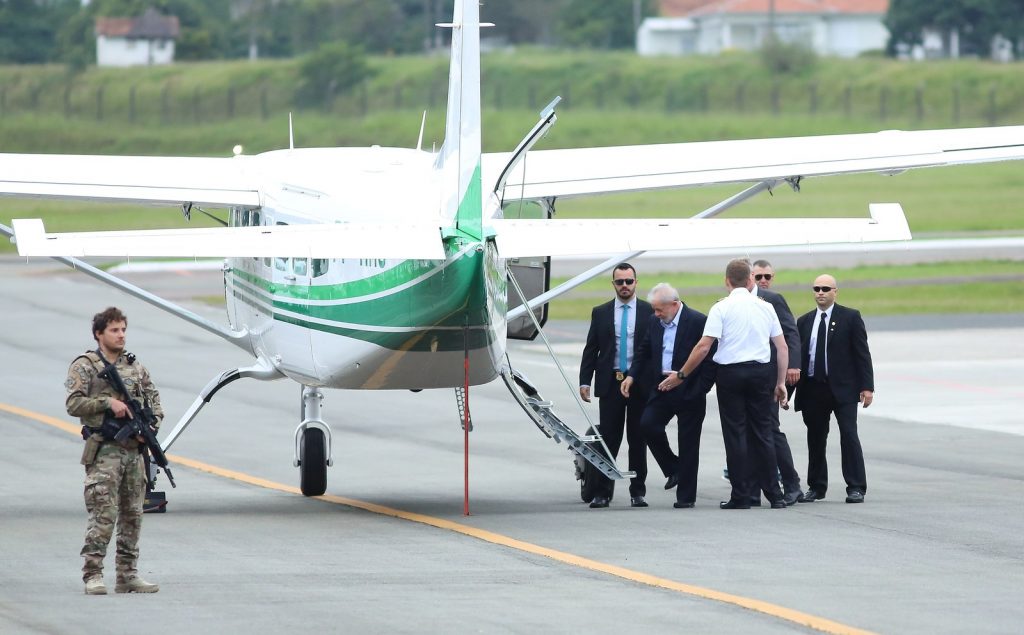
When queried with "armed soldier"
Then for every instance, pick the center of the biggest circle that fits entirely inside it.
(115, 477)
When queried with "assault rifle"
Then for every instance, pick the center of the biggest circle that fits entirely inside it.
(139, 425)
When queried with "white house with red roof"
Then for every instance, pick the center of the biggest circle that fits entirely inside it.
(841, 28)
(145, 40)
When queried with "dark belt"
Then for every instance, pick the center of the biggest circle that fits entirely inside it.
(752, 363)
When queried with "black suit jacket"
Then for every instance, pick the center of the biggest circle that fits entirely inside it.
(646, 368)
(599, 352)
(788, 323)
(849, 359)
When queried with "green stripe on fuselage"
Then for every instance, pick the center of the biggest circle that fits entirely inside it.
(470, 217)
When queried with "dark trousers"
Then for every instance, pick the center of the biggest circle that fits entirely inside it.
(617, 412)
(783, 455)
(817, 405)
(660, 409)
(744, 403)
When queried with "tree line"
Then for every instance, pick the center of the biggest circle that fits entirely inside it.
(42, 31)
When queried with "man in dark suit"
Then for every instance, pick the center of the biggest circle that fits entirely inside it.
(783, 455)
(836, 375)
(615, 328)
(672, 332)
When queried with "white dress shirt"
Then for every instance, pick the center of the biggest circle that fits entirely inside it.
(743, 324)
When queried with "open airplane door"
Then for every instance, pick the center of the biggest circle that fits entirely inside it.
(533, 274)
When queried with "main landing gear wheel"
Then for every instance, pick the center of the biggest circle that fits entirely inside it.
(588, 475)
(313, 462)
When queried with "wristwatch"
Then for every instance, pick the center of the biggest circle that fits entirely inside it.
(680, 376)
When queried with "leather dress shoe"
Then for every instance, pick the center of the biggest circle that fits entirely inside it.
(779, 504)
(672, 481)
(637, 501)
(811, 495)
(794, 497)
(599, 502)
(732, 504)
(856, 496)
(679, 505)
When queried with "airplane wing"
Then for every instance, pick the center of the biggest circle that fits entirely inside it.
(531, 238)
(340, 240)
(218, 182)
(578, 172)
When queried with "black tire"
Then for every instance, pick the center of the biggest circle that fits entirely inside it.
(313, 462)
(591, 478)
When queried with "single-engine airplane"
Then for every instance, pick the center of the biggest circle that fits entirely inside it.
(387, 268)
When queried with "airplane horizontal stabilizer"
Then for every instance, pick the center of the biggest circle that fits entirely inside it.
(219, 182)
(586, 171)
(340, 240)
(532, 238)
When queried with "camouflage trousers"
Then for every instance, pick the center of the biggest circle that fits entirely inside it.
(115, 490)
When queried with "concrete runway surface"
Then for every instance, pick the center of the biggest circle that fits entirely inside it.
(937, 548)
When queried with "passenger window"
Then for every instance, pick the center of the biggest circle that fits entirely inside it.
(245, 218)
(320, 266)
(256, 218)
(300, 266)
(281, 264)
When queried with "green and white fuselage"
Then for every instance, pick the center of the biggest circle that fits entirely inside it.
(360, 322)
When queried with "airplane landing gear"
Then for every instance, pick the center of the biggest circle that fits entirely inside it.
(312, 444)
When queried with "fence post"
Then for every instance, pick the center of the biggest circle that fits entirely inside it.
(99, 103)
(497, 96)
(775, 99)
(883, 102)
(812, 90)
(848, 101)
(919, 101)
(565, 98)
(131, 104)
(670, 99)
(398, 96)
(195, 104)
(332, 86)
(165, 106)
(992, 106)
(3, 101)
(956, 103)
(231, 101)
(705, 90)
(264, 109)
(67, 100)
(741, 96)
(364, 98)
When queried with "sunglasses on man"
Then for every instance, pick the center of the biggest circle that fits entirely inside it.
(821, 289)
(762, 276)
(621, 281)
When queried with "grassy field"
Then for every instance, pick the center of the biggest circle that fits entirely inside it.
(961, 287)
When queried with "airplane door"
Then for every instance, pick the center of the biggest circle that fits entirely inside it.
(291, 324)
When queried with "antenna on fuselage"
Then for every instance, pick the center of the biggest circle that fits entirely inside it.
(423, 124)
(291, 133)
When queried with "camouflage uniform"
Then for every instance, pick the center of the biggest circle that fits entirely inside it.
(115, 480)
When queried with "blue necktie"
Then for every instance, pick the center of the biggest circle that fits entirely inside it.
(624, 338)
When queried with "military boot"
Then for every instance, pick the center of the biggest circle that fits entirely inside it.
(135, 584)
(95, 586)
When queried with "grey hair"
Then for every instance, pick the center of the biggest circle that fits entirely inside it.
(663, 292)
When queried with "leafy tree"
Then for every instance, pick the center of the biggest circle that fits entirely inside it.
(974, 20)
(605, 24)
(28, 30)
(331, 69)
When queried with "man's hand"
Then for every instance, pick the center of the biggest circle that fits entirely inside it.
(866, 397)
(585, 393)
(624, 387)
(669, 383)
(792, 376)
(120, 408)
(780, 396)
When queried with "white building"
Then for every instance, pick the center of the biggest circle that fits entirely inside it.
(143, 41)
(842, 28)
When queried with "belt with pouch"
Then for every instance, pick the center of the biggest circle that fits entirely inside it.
(619, 375)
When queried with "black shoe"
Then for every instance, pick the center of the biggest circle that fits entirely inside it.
(812, 495)
(672, 481)
(856, 496)
(794, 497)
(779, 504)
(731, 504)
(637, 501)
(679, 505)
(599, 502)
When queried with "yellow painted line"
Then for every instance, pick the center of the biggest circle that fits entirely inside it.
(797, 617)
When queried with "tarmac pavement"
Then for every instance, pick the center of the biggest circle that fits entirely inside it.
(937, 547)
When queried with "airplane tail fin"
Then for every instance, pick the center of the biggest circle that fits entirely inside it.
(459, 159)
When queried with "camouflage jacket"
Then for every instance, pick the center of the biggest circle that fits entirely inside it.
(88, 396)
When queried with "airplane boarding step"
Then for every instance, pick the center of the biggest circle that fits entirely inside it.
(589, 448)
